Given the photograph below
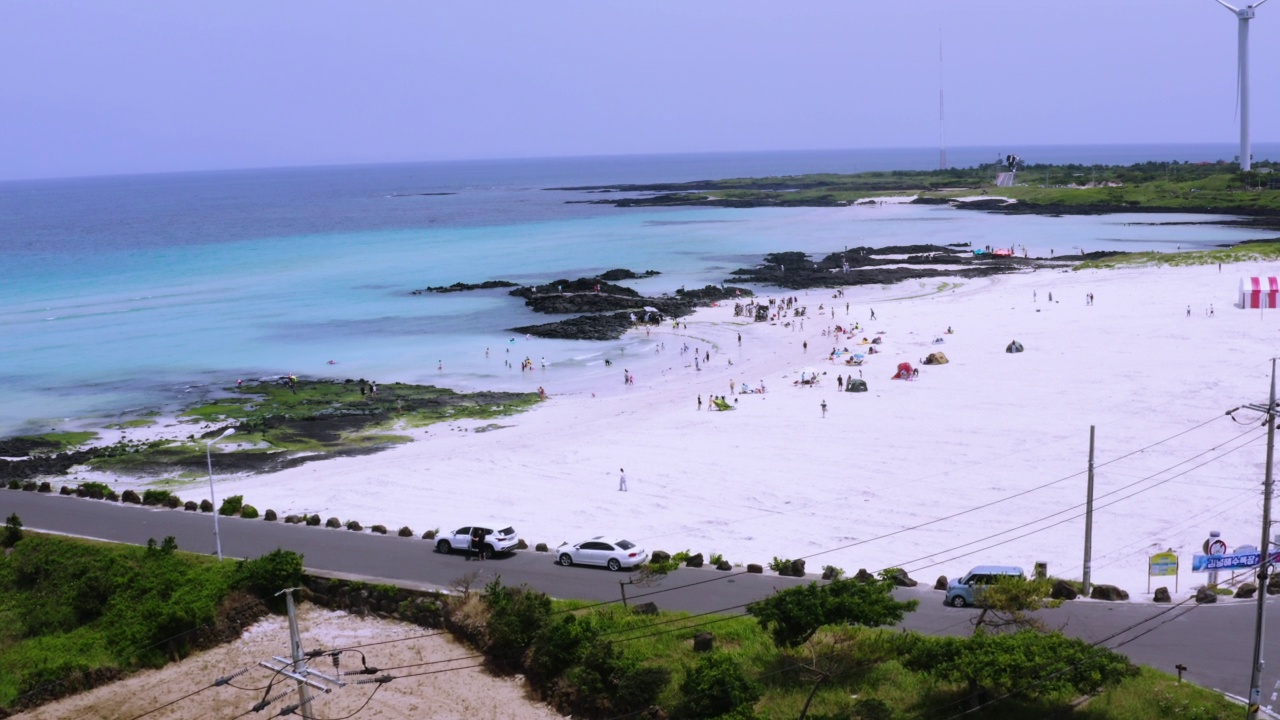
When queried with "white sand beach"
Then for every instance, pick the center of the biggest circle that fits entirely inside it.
(978, 461)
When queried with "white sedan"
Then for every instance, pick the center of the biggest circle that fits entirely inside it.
(613, 554)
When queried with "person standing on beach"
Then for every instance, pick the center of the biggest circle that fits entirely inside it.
(739, 339)
(824, 408)
(1188, 311)
(806, 345)
(622, 480)
(699, 402)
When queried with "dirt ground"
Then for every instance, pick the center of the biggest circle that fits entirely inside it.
(455, 689)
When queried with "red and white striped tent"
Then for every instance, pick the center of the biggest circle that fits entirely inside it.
(1259, 292)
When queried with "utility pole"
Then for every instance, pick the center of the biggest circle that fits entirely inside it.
(1088, 525)
(296, 667)
(1264, 562)
(299, 662)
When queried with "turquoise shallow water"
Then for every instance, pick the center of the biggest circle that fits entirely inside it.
(124, 294)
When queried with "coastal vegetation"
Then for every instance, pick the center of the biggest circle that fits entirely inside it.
(1042, 189)
(818, 651)
(277, 424)
(1268, 251)
(78, 613)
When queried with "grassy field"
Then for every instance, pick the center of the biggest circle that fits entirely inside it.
(1250, 252)
(73, 612)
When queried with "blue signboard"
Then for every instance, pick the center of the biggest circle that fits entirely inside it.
(1206, 563)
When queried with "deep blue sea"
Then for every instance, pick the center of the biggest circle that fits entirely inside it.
(120, 295)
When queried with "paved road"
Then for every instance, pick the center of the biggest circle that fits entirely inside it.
(1215, 642)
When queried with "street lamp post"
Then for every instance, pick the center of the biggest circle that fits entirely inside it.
(208, 456)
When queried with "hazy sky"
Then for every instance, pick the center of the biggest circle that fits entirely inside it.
(93, 87)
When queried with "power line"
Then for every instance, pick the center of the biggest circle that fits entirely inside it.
(1069, 509)
(923, 524)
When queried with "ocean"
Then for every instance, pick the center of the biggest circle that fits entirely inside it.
(132, 294)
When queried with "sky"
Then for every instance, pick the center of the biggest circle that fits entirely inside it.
(132, 86)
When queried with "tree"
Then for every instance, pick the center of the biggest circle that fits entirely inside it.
(1007, 605)
(792, 616)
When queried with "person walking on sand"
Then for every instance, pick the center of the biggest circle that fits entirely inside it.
(699, 402)
(622, 480)
(739, 339)
(873, 313)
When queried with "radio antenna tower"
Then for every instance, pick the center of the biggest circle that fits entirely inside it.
(942, 118)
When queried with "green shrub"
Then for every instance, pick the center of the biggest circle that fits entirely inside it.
(12, 531)
(516, 616)
(558, 647)
(248, 512)
(156, 497)
(231, 506)
(639, 687)
(269, 574)
(95, 490)
(716, 559)
(715, 686)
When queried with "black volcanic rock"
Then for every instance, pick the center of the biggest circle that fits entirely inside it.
(581, 285)
(586, 327)
(624, 274)
(462, 287)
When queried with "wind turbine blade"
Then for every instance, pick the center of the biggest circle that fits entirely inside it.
(1223, 4)
(1258, 4)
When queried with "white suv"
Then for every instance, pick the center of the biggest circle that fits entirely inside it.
(495, 541)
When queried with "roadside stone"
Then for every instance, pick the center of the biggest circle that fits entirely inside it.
(540, 547)
(754, 568)
(1063, 590)
(1246, 591)
(354, 526)
(694, 561)
(190, 506)
(270, 516)
(380, 529)
(313, 520)
(659, 556)
(405, 532)
(703, 642)
(645, 609)
(1206, 595)
(940, 583)
(724, 565)
(863, 576)
(46, 487)
(66, 490)
(1162, 595)
(901, 579)
(1273, 584)
(131, 497)
(1108, 592)
(522, 545)
(333, 522)
(292, 520)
